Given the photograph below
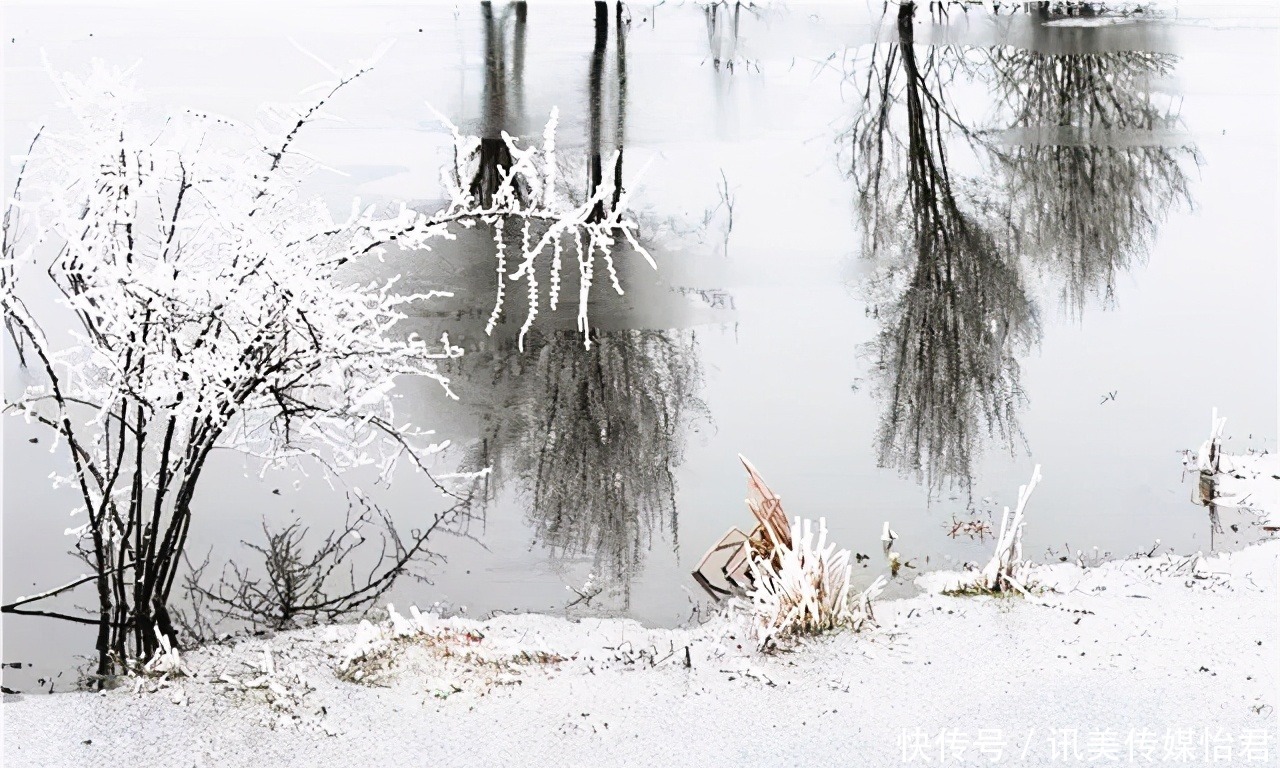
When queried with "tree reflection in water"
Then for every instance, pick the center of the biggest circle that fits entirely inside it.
(592, 437)
(1085, 164)
(588, 429)
(946, 354)
(1096, 160)
(500, 92)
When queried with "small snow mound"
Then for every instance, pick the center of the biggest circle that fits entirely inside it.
(1102, 21)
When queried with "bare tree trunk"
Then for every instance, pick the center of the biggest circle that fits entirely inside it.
(103, 645)
(595, 170)
(495, 157)
(906, 12)
(619, 138)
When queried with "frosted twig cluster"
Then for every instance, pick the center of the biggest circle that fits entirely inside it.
(207, 307)
(528, 212)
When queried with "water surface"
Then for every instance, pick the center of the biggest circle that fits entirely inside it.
(897, 267)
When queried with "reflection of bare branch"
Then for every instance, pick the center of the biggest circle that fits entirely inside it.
(1092, 212)
(946, 354)
(1087, 180)
(727, 199)
(1086, 174)
(896, 75)
(723, 32)
(593, 435)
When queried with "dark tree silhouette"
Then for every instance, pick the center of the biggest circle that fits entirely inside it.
(946, 355)
(723, 20)
(595, 102)
(1089, 164)
(596, 106)
(619, 137)
(592, 438)
(494, 155)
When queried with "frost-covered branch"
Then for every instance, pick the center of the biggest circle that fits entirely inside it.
(550, 226)
(202, 304)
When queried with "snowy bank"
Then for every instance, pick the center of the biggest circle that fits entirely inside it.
(1171, 658)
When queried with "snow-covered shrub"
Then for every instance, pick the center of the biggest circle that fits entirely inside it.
(204, 302)
(805, 588)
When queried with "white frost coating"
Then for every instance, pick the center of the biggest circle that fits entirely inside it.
(166, 661)
(209, 303)
(808, 590)
(1211, 447)
(1002, 572)
(371, 638)
(207, 283)
(527, 192)
(963, 668)
(207, 289)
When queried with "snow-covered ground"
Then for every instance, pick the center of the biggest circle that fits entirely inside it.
(1159, 660)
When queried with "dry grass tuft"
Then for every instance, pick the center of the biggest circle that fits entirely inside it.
(435, 652)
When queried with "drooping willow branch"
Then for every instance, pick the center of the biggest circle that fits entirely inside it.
(956, 312)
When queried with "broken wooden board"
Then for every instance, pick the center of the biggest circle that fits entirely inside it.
(723, 570)
(773, 531)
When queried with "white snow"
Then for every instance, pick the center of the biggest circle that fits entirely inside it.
(1163, 655)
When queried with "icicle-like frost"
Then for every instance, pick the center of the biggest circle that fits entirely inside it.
(556, 256)
(527, 191)
(500, 254)
(585, 267)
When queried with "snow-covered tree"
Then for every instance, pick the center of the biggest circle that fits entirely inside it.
(209, 304)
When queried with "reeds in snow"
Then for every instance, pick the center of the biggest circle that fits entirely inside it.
(804, 587)
(800, 584)
(1003, 572)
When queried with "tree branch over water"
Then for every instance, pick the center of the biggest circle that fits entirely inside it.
(210, 310)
